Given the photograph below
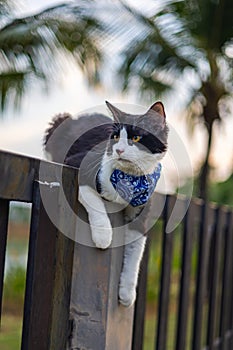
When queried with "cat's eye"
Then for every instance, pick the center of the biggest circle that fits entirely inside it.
(136, 138)
(116, 137)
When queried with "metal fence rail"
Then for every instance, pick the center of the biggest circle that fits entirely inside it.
(202, 314)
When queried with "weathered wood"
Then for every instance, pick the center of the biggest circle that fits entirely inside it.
(140, 306)
(50, 260)
(18, 173)
(218, 234)
(47, 299)
(98, 321)
(164, 294)
(205, 232)
(184, 293)
(226, 314)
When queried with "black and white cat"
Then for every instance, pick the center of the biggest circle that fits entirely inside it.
(119, 161)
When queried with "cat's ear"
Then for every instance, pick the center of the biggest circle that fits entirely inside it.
(117, 113)
(158, 107)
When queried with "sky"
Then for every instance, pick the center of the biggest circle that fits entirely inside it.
(22, 132)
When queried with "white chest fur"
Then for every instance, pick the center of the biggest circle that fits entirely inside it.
(107, 189)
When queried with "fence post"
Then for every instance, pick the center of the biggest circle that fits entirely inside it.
(49, 275)
(98, 322)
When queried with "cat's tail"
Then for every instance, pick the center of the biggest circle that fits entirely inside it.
(53, 125)
(52, 140)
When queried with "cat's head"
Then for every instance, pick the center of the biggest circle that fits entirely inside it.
(138, 142)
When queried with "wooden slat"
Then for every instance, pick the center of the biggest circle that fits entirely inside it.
(140, 306)
(206, 221)
(185, 278)
(218, 232)
(165, 278)
(18, 173)
(227, 284)
(32, 251)
(49, 275)
(4, 213)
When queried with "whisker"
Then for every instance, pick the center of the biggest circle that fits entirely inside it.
(93, 166)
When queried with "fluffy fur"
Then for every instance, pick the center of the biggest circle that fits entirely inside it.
(98, 145)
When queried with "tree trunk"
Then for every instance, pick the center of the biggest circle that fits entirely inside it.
(204, 172)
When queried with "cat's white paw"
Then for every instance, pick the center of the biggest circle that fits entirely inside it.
(102, 236)
(127, 295)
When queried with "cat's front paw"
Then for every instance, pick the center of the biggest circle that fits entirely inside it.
(101, 229)
(102, 237)
(127, 295)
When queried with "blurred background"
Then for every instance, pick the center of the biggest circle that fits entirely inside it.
(71, 56)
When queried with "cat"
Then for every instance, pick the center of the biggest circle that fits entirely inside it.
(119, 162)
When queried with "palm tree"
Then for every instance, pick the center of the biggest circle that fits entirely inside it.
(190, 43)
(33, 48)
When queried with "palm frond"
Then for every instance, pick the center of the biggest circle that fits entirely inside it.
(12, 87)
(36, 43)
(156, 51)
(209, 22)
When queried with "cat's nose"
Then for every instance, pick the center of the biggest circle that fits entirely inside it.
(119, 151)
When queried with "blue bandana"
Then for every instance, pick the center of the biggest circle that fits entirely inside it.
(135, 190)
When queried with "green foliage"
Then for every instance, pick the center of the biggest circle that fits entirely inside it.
(14, 286)
(20, 213)
(183, 35)
(10, 335)
(219, 192)
(34, 48)
(222, 192)
(155, 259)
(154, 265)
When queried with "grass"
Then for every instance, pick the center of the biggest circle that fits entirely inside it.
(11, 323)
(153, 286)
(10, 333)
(150, 330)
(14, 286)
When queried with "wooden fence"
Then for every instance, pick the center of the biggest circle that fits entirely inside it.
(71, 289)
(194, 306)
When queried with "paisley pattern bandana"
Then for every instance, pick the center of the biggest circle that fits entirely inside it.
(135, 190)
